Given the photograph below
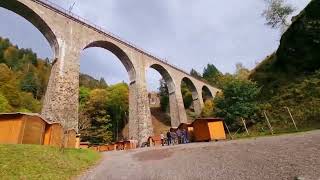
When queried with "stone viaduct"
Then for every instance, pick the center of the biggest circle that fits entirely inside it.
(69, 35)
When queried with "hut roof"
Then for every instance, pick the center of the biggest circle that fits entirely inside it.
(27, 114)
(209, 119)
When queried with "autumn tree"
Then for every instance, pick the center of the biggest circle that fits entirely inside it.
(241, 71)
(207, 110)
(4, 104)
(277, 13)
(118, 106)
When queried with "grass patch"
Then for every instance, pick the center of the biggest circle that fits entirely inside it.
(254, 134)
(43, 162)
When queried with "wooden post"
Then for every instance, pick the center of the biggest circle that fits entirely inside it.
(294, 123)
(270, 127)
(236, 132)
(245, 126)
(228, 129)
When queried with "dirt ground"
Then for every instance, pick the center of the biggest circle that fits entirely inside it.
(292, 156)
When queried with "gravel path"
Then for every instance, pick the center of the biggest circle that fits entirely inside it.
(280, 157)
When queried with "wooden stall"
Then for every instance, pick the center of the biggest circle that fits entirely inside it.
(70, 138)
(156, 140)
(84, 145)
(119, 145)
(22, 128)
(127, 145)
(103, 148)
(189, 128)
(208, 129)
(53, 135)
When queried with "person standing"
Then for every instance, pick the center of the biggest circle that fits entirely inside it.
(183, 137)
(169, 138)
(162, 139)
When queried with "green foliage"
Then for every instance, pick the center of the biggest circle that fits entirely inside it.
(186, 95)
(211, 74)
(95, 110)
(277, 13)
(30, 83)
(28, 103)
(91, 83)
(12, 93)
(4, 104)
(238, 100)
(164, 96)
(11, 56)
(84, 94)
(195, 74)
(290, 76)
(6, 74)
(103, 112)
(22, 73)
(208, 110)
(241, 72)
(118, 105)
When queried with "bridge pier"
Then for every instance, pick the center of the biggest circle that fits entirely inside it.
(61, 99)
(140, 123)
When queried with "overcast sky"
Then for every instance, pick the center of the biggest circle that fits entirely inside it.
(188, 33)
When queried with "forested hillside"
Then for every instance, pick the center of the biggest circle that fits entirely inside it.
(291, 76)
(23, 78)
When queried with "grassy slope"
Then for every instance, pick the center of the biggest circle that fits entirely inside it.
(289, 77)
(42, 162)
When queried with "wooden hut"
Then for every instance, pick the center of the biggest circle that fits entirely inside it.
(53, 134)
(156, 141)
(112, 147)
(70, 138)
(119, 145)
(127, 145)
(103, 148)
(84, 145)
(22, 128)
(208, 129)
(189, 128)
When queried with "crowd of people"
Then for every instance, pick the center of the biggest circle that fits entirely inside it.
(174, 137)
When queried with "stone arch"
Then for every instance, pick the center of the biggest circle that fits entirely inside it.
(166, 76)
(31, 16)
(206, 93)
(195, 95)
(171, 90)
(119, 53)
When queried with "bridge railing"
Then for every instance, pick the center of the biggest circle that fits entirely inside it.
(99, 29)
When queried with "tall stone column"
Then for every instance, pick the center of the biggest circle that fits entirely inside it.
(198, 105)
(174, 109)
(61, 99)
(140, 124)
(179, 108)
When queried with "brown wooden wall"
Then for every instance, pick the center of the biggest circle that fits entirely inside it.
(201, 130)
(216, 130)
(11, 129)
(53, 135)
(70, 140)
(33, 131)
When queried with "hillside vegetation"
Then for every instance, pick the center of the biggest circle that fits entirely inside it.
(23, 79)
(291, 76)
